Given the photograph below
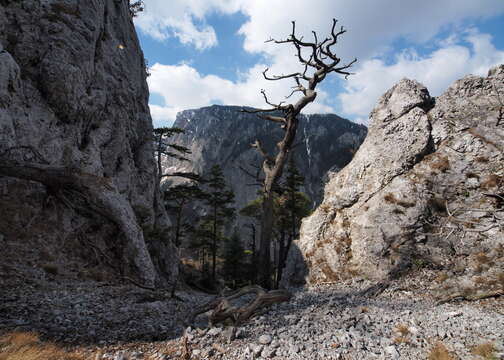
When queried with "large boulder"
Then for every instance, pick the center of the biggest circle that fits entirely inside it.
(425, 189)
(73, 95)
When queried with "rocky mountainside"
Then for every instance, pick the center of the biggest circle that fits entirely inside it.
(76, 161)
(223, 135)
(425, 190)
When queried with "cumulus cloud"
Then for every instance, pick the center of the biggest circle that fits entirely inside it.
(183, 19)
(374, 27)
(435, 70)
(183, 87)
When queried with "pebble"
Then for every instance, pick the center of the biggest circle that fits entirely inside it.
(214, 331)
(265, 339)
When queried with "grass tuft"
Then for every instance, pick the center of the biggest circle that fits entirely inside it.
(27, 346)
(440, 352)
(486, 350)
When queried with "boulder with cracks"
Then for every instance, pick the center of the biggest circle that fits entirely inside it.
(424, 190)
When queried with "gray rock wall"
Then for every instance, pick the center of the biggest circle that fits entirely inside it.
(72, 86)
(425, 189)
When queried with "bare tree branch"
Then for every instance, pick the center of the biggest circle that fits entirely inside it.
(321, 62)
(223, 309)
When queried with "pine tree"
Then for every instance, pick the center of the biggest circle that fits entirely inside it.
(290, 205)
(218, 199)
(293, 205)
(234, 259)
(178, 198)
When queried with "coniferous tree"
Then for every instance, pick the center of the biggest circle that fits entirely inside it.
(164, 148)
(178, 198)
(318, 61)
(234, 255)
(290, 205)
(218, 199)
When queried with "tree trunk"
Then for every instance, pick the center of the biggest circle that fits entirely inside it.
(273, 171)
(214, 244)
(265, 241)
(281, 258)
(100, 195)
(177, 225)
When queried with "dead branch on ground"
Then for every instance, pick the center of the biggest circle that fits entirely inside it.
(223, 309)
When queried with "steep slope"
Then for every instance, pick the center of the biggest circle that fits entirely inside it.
(223, 135)
(425, 189)
(73, 98)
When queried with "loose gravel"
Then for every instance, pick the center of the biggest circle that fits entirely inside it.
(333, 321)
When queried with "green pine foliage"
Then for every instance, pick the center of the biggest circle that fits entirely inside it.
(218, 200)
(177, 199)
(233, 256)
(290, 205)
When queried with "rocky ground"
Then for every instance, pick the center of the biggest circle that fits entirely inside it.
(333, 321)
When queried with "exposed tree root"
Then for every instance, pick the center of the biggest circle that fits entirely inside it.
(223, 310)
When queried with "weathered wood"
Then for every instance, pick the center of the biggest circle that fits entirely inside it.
(322, 61)
(223, 309)
(474, 297)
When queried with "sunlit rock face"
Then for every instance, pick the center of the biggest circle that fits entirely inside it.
(223, 135)
(73, 87)
(425, 189)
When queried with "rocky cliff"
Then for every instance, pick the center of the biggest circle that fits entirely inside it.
(75, 130)
(425, 189)
(223, 135)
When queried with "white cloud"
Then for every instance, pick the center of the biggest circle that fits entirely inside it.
(183, 87)
(183, 19)
(373, 27)
(436, 71)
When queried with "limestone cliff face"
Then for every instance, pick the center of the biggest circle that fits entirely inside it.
(223, 135)
(425, 189)
(72, 88)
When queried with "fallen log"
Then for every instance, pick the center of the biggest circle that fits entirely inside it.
(223, 309)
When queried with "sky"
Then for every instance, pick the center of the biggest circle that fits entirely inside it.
(204, 52)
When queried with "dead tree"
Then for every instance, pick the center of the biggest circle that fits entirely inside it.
(223, 309)
(321, 61)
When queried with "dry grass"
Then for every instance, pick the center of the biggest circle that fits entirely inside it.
(390, 198)
(440, 352)
(403, 334)
(441, 278)
(486, 350)
(27, 346)
(500, 279)
(325, 208)
(482, 258)
(442, 164)
(482, 159)
(491, 181)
